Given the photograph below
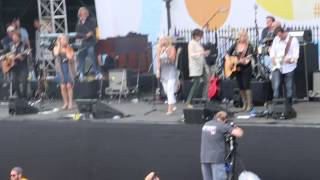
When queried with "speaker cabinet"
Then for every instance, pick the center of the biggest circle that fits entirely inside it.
(98, 109)
(281, 109)
(20, 107)
(101, 110)
(201, 114)
(194, 115)
(307, 65)
(316, 84)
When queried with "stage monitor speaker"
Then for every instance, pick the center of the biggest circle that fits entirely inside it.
(194, 115)
(210, 109)
(201, 114)
(281, 109)
(101, 110)
(20, 107)
(98, 109)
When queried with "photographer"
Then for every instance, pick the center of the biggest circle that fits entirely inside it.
(213, 150)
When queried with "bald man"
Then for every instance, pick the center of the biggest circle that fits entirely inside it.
(152, 176)
(17, 174)
(213, 149)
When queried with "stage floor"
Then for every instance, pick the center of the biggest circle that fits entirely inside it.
(147, 112)
(50, 145)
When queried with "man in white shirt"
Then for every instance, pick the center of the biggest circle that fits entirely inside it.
(284, 53)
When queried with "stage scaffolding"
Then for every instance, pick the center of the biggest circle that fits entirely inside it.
(53, 20)
(54, 11)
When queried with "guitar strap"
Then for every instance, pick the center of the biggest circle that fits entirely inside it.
(288, 46)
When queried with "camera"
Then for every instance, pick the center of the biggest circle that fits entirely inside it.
(228, 137)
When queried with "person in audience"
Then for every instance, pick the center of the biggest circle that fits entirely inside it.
(152, 176)
(213, 146)
(17, 174)
(166, 70)
(65, 69)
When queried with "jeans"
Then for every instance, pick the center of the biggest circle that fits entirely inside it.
(90, 53)
(277, 79)
(195, 86)
(213, 171)
(19, 81)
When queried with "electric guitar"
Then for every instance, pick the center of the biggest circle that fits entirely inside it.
(279, 62)
(231, 65)
(279, 59)
(8, 61)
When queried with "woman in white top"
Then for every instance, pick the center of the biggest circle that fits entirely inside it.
(166, 70)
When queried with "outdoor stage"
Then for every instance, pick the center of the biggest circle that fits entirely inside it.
(53, 146)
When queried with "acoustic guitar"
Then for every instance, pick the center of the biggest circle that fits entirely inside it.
(8, 60)
(231, 65)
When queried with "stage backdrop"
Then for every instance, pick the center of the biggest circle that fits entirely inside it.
(149, 16)
(117, 18)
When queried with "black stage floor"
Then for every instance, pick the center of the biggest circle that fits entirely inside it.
(52, 146)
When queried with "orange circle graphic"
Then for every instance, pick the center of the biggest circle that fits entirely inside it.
(201, 11)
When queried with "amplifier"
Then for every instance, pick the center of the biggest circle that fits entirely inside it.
(121, 80)
(316, 84)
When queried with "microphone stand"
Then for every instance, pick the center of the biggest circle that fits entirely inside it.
(260, 72)
(154, 91)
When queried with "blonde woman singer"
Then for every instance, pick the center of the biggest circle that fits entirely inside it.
(166, 70)
(243, 49)
(65, 69)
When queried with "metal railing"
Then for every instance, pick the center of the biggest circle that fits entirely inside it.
(225, 37)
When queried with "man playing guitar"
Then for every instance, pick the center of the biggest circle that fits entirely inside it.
(19, 66)
(85, 30)
(284, 53)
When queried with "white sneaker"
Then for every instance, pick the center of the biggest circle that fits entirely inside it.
(99, 76)
(81, 77)
(174, 108)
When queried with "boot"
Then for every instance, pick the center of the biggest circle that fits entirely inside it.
(288, 104)
(249, 100)
(244, 100)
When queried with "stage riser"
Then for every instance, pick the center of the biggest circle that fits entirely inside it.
(95, 151)
(261, 90)
(82, 90)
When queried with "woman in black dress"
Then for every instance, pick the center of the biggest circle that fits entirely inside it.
(244, 51)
